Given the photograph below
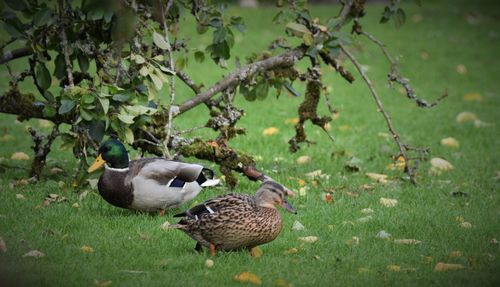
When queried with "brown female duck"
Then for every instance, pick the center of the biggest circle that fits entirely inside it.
(237, 221)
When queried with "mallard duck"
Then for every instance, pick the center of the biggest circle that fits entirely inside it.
(237, 221)
(147, 184)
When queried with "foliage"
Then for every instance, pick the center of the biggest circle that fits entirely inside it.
(103, 67)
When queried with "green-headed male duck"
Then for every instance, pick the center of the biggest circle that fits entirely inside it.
(147, 184)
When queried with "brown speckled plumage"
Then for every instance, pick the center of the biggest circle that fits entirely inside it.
(236, 221)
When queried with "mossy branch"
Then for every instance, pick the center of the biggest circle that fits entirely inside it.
(308, 110)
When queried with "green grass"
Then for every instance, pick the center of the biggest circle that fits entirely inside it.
(124, 240)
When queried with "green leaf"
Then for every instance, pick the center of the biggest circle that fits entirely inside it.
(160, 41)
(66, 106)
(95, 14)
(49, 96)
(291, 90)
(216, 22)
(167, 70)
(13, 30)
(400, 17)
(138, 59)
(17, 5)
(219, 35)
(138, 110)
(156, 81)
(97, 129)
(201, 28)
(218, 51)
(43, 77)
(159, 58)
(237, 22)
(104, 104)
(160, 75)
(85, 114)
(180, 63)
(152, 92)
(386, 15)
(121, 98)
(83, 62)
(87, 99)
(308, 39)
(261, 90)
(229, 38)
(128, 119)
(108, 15)
(129, 135)
(199, 56)
(60, 67)
(297, 29)
(248, 94)
(144, 71)
(43, 17)
(49, 111)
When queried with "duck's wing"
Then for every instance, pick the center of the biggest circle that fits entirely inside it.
(214, 205)
(163, 171)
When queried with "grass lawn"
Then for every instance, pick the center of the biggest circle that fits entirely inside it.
(455, 215)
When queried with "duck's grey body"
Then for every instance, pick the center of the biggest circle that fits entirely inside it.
(151, 184)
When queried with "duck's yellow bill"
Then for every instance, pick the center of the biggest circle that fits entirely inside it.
(98, 163)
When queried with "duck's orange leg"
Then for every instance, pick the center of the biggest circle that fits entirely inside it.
(212, 249)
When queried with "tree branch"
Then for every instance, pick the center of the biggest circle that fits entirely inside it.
(395, 76)
(25, 107)
(188, 81)
(64, 44)
(284, 60)
(172, 78)
(402, 148)
(15, 54)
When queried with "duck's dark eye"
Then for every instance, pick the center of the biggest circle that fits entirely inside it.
(103, 149)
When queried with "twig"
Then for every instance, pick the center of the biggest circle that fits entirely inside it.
(395, 76)
(15, 54)
(147, 141)
(172, 77)
(402, 148)
(191, 130)
(64, 43)
(334, 63)
(188, 81)
(152, 136)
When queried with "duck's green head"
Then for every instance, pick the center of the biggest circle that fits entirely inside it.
(113, 153)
